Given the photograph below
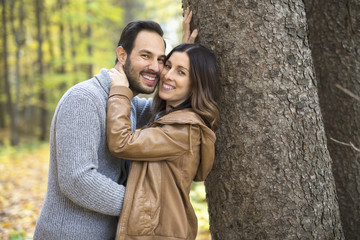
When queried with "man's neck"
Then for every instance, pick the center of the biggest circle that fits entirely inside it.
(135, 93)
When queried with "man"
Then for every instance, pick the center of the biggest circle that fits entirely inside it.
(84, 197)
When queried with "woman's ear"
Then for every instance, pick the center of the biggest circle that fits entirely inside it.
(121, 55)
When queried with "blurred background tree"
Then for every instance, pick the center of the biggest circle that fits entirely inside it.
(48, 46)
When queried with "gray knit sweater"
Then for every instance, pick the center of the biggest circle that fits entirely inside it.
(83, 199)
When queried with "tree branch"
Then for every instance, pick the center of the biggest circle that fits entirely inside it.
(348, 92)
(346, 144)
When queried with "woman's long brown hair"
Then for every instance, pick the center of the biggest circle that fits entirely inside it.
(204, 84)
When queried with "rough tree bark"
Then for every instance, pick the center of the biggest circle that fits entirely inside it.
(272, 177)
(334, 33)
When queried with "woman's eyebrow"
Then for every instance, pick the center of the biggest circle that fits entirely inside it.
(183, 68)
(179, 66)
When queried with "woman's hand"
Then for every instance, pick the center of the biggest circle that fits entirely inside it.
(118, 77)
(186, 36)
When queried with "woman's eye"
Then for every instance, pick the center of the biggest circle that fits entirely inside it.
(167, 66)
(181, 72)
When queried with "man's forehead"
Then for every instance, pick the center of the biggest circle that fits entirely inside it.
(150, 42)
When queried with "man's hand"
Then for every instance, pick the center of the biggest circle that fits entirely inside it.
(117, 76)
(186, 36)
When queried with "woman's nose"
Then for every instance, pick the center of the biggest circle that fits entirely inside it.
(169, 74)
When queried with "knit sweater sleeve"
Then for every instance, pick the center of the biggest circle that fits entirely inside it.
(78, 138)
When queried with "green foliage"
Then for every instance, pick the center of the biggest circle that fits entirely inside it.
(198, 200)
(169, 14)
(12, 153)
(18, 236)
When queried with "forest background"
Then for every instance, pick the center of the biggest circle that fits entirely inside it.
(46, 47)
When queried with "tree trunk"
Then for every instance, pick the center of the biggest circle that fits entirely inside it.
(61, 36)
(89, 50)
(129, 9)
(334, 32)
(89, 45)
(19, 35)
(3, 109)
(39, 5)
(2, 83)
(50, 42)
(272, 175)
(73, 51)
(29, 107)
(6, 71)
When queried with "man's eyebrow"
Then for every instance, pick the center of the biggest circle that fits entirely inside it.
(149, 52)
(145, 51)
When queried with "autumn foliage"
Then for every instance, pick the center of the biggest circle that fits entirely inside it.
(23, 181)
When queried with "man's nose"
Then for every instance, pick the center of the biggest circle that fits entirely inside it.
(154, 66)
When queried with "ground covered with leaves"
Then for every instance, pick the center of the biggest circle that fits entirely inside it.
(23, 181)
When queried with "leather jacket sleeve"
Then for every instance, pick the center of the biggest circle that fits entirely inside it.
(161, 142)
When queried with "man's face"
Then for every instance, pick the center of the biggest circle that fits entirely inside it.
(145, 63)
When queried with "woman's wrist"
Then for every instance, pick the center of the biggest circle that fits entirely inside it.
(121, 91)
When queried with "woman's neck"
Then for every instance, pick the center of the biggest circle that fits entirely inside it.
(168, 108)
(184, 104)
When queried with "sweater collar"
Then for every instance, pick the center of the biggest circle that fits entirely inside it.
(104, 79)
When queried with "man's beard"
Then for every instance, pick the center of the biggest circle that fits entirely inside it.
(134, 81)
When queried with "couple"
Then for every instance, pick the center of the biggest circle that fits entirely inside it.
(175, 143)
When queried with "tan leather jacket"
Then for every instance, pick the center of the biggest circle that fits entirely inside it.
(177, 149)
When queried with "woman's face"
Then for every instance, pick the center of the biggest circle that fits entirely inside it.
(174, 85)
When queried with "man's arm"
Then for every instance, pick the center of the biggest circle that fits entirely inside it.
(78, 138)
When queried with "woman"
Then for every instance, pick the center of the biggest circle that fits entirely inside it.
(175, 148)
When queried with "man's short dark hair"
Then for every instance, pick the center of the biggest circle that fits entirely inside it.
(131, 31)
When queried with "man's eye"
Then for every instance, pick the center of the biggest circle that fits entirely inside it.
(145, 56)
